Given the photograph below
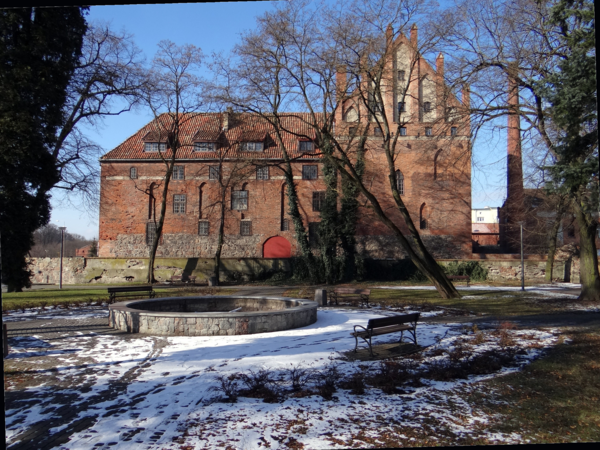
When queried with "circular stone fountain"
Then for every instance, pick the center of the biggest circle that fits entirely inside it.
(211, 315)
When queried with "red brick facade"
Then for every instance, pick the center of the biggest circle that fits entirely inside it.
(434, 160)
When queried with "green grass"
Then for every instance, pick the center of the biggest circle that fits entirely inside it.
(75, 297)
(501, 303)
(554, 399)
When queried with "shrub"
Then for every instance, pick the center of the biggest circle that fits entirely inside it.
(298, 376)
(260, 384)
(355, 383)
(390, 375)
(326, 379)
(473, 269)
(228, 384)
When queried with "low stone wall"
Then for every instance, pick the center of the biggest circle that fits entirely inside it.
(81, 270)
(163, 321)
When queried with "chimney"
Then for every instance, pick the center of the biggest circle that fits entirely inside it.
(439, 66)
(389, 35)
(227, 118)
(413, 35)
(466, 96)
(514, 185)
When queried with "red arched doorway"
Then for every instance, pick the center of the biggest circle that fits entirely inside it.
(277, 247)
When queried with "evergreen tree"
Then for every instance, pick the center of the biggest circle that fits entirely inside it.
(572, 93)
(39, 48)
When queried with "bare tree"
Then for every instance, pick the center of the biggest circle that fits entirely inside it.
(107, 81)
(520, 40)
(303, 47)
(173, 95)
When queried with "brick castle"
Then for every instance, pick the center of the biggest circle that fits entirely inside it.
(433, 171)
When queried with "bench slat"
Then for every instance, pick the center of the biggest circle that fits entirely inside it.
(130, 289)
(393, 320)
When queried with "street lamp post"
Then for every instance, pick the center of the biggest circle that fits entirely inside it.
(522, 260)
(62, 247)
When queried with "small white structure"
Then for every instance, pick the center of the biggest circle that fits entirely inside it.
(485, 215)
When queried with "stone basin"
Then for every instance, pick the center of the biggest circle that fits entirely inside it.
(211, 315)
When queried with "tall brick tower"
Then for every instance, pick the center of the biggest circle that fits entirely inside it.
(513, 207)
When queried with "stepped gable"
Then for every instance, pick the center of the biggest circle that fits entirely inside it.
(208, 127)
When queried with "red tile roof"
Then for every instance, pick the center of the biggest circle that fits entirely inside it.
(208, 127)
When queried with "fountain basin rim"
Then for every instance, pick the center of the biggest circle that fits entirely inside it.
(124, 306)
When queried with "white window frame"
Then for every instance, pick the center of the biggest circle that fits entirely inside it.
(254, 146)
(179, 203)
(239, 200)
(205, 146)
(153, 147)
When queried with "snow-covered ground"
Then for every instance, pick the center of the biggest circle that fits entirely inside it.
(170, 402)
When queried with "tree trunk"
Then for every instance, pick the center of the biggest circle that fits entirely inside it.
(220, 238)
(161, 220)
(590, 281)
(552, 240)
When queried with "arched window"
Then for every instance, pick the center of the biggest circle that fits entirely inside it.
(133, 173)
(151, 201)
(200, 200)
(436, 175)
(423, 225)
(351, 115)
(400, 182)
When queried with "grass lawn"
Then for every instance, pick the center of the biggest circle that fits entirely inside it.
(480, 302)
(75, 297)
(554, 399)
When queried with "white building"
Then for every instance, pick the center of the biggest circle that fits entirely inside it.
(485, 215)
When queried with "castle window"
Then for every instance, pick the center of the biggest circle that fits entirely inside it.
(428, 131)
(402, 131)
(246, 228)
(400, 182)
(179, 204)
(213, 172)
(401, 107)
(285, 225)
(480, 219)
(133, 173)
(150, 232)
(436, 175)
(203, 228)
(377, 107)
(309, 172)
(306, 146)
(239, 200)
(423, 225)
(401, 75)
(427, 107)
(453, 131)
(377, 131)
(155, 146)
(178, 173)
(571, 231)
(204, 146)
(351, 130)
(252, 146)
(318, 200)
(262, 173)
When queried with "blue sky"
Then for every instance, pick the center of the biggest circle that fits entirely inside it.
(216, 27)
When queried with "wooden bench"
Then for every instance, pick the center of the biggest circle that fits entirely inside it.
(183, 279)
(385, 325)
(133, 291)
(361, 295)
(460, 278)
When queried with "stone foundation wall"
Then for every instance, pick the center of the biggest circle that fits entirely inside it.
(79, 270)
(187, 246)
(388, 247)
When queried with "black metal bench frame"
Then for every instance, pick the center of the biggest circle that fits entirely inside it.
(386, 325)
(361, 295)
(129, 291)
